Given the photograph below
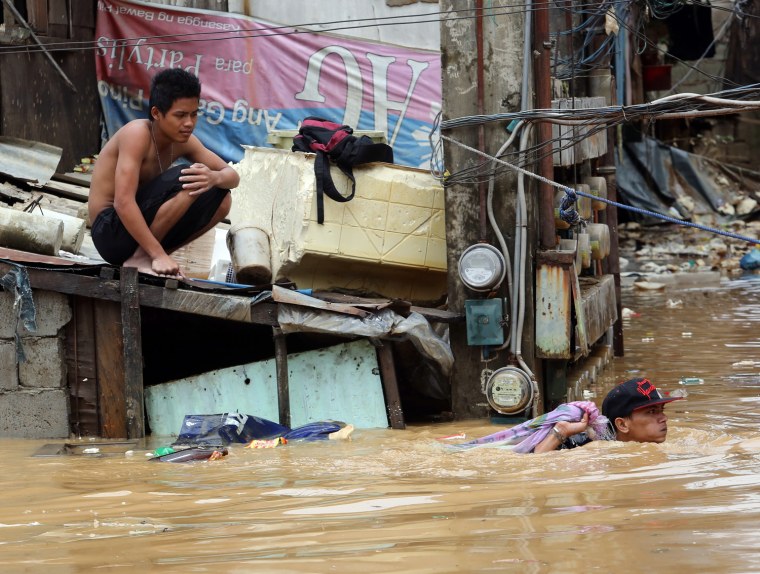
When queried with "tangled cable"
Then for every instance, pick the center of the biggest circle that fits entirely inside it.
(733, 101)
(571, 193)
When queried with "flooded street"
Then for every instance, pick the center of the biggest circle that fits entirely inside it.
(398, 501)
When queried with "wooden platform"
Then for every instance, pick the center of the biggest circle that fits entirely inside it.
(103, 341)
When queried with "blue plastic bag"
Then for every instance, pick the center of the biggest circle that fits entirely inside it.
(751, 260)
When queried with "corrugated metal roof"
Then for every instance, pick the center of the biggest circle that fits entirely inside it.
(28, 160)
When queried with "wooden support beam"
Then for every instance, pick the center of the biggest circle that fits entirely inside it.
(133, 359)
(390, 386)
(229, 307)
(109, 346)
(81, 368)
(283, 385)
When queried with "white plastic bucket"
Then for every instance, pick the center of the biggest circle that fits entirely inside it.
(251, 257)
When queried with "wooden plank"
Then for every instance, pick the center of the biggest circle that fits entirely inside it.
(82, 20)
(51, 111)
(38, 16)
(68, 190)
(390, 386)
(133, 359)
(109, 345)
(580, 317)
(58, 18)
(282, 295)
(81, 370)
(283, 385)
(229, 307)
(12, 194)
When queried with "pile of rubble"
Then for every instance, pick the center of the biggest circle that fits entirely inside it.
(666, 249)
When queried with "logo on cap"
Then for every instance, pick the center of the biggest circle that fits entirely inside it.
(646, 388)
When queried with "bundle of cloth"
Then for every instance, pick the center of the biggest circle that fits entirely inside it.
(524, 437)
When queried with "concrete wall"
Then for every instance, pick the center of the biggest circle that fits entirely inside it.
(34, 401)
(347, 18)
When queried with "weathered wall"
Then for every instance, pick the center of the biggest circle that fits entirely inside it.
(421, 32)
(33, 396)
(502, 63)
(36, 103)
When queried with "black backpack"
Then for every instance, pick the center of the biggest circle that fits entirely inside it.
(331, 141)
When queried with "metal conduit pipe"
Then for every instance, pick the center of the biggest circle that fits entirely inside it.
(542, 77)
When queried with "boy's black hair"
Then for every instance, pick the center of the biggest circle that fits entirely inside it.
(168, 86)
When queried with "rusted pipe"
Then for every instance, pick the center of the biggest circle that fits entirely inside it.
(542, 73)
(481, 96)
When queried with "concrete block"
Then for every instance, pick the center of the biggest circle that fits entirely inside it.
(34, 414)
(52, 311)
(7, 315)
(8, 371)
(44, 366)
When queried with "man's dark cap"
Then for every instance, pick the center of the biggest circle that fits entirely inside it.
(630, 396)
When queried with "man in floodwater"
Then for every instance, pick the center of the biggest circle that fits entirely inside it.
(141, 208)
(635, 409)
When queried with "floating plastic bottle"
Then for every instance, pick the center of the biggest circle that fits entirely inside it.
(690, 381)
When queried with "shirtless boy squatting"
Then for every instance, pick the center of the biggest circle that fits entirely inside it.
(141, 208)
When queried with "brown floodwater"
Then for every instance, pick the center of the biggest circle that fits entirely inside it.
(397, 501)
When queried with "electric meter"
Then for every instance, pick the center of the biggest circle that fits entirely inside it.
(482, 267)
(509, 390)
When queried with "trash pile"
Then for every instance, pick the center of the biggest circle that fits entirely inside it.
(663, 250)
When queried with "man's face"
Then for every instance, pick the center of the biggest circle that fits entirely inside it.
(649, 424)
(179, 122)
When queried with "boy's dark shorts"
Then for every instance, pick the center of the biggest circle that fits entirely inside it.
(116, 245)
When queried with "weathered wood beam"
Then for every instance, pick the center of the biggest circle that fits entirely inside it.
(283, 383)
(109, 348)
(230, 307)
(133, 357)
(390, 386)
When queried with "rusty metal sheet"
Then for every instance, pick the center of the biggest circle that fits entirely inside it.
(28, 160)
(27, 257)
(553, 311)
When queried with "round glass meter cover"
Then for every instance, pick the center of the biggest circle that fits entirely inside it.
(480, 266)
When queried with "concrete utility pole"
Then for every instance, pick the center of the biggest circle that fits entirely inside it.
(481, 60)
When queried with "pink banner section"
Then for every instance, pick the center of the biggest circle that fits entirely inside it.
(266, 77)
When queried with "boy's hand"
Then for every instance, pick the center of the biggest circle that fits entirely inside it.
(197, 178)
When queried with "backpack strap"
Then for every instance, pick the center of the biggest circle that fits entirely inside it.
(325, 184)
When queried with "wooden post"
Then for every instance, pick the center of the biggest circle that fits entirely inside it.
(133, 359)
(109, 348)
(283, 388)
(390, 385)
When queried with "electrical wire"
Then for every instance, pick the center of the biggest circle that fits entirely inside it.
(285, 30)
(291, 29)
(569, 190)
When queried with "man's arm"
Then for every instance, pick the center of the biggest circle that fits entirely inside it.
(564, 429)
(132, 148)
